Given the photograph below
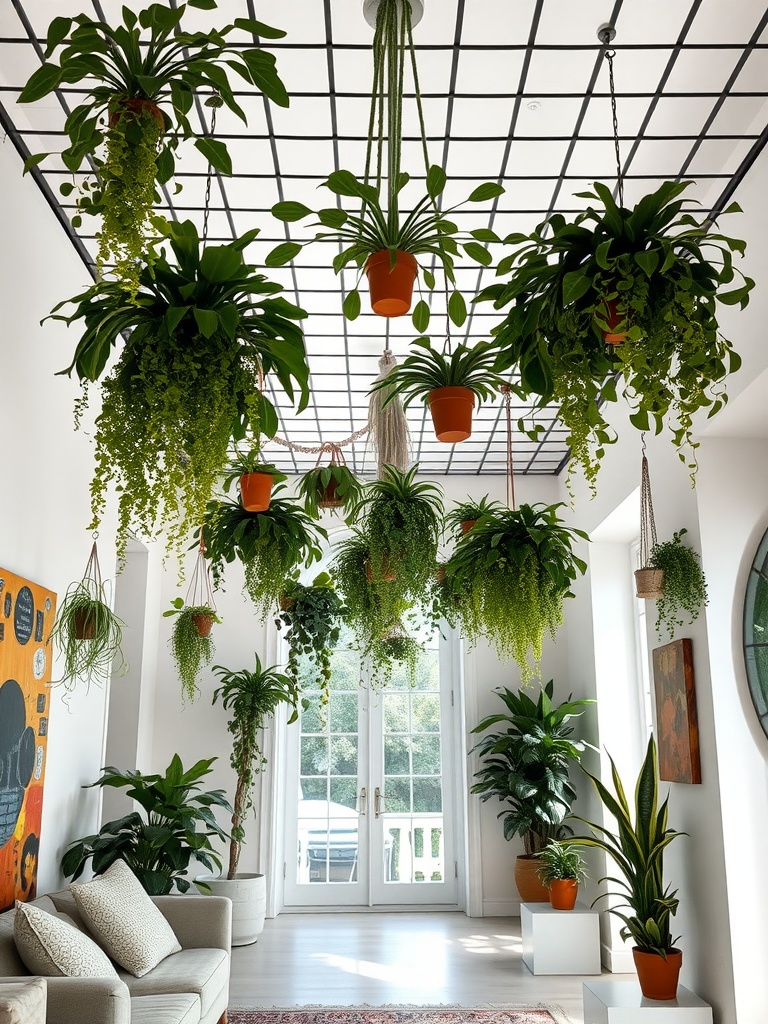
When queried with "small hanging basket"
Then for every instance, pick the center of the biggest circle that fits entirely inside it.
(649, 581)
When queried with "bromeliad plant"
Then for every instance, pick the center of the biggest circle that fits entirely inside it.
(270, 544)
(177, 824)
(685, 588)
(514, 569)
(199, 335)
(652, 276)
(251, 696)
(128, 71)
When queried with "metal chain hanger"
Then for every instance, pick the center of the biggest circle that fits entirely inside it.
(606, 34)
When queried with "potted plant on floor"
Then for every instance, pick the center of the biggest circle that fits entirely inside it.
(562, 870)
(463, 516)
(638, 852)
(176, 826)
(210, 325)
(652, 274)
(270, 544)
(451, 383)
(526, 765)
(140, 80)
(684, 588)
(252, 697)
(515, 569)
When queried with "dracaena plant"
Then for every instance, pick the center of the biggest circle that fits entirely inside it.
(199, 335)
(140, 80)
(652, 274)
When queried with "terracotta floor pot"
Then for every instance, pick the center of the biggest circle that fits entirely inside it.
(85, 625)
(451, 410)
(529, 885)
(467, 525)
(613, 318)
(649, 583)
(562, 893)
(391, 288)
(255, 491)
(658, 976)
(203, 623)
(136, 106)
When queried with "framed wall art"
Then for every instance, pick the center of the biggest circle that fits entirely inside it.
(677, 727)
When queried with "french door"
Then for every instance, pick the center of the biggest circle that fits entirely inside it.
(373, 820)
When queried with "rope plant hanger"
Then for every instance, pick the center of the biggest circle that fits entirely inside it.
(649, 582)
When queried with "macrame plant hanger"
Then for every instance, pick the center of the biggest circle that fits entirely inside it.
(649, 582)
(200, 591)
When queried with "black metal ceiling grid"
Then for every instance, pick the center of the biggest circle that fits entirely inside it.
(689, 100)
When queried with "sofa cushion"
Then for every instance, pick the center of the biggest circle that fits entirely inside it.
(181, 1008)
(124, 919)
(52, 947)
(23, 1002)
(202, 971)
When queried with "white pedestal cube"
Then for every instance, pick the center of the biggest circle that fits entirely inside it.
(560, 941)
(610, 1001)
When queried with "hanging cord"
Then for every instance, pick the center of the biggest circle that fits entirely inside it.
(200, 590)
(506, 390)
(606, 35)
(93, 569)
(647, 521)
(214, 101)
(324, 446)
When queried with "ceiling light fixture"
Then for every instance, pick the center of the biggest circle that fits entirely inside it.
(370, 7)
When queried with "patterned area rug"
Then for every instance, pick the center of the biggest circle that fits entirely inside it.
(382, 1015)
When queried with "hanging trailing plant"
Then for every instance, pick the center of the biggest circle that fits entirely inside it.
(380, 237)
(313, 615)
(685, 588)
(191, 643)
(513, 571)
(200, 334)
(463, 516)
(270, 544)
(86, 631)
(121, 131)
(332, 486)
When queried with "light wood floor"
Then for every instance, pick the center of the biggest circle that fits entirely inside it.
(396, 958)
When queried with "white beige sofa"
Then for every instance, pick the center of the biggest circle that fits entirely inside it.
(188, 987)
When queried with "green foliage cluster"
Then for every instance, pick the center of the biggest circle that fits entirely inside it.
(335, 479)
(313, 616)
(270, 544)
(190, 650)
(638, 851)
(685, 588)
(177, 825)
(251, 696)
(526, 764)
(468, 511)
(561, 861)
(664, 273)
(85, 611)
(512, 572)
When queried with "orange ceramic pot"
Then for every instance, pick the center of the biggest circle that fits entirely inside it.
(203, 623)
(562, 893)
(451, 410)
(391, 287)
(529, 885)
(657, 975)
(85, 625)
(467, 525)
(135, 106)
(255, 491)
(612, 318)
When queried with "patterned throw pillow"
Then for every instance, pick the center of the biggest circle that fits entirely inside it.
(51, 947)
(124, 919)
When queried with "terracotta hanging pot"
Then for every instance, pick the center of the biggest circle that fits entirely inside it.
(451, 410)
(658, 976)
(203, 623)
(136, 106)
(255, 491)
(386, 572)
(391, 287)
(466, 526)
(612, 317)
(649, 583)
(529, 885)
(562, 893)
(85, 624)
(286, 603)
(329, 499)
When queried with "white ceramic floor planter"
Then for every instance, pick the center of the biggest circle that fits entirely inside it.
(249, 903)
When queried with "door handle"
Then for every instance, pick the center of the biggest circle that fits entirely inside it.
(362, 799)
(378, 796)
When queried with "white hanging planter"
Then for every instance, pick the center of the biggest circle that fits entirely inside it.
(248, 893)
(370, 7)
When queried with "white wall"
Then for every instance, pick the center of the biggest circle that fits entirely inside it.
(45, 475)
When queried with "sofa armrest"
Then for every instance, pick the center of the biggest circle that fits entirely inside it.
(96, 1000)
(200, 922)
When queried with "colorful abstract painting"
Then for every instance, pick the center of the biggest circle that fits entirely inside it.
(677, 727)
(27, 611)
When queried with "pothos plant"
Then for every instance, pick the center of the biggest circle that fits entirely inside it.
(312, 615)
(685, 588)
(512, 572)
(140, 80)
(652, 275)
(199, 335)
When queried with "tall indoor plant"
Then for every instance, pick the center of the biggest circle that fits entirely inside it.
(638, 852)
(251, 696)
(140, 79)
(652, 274)
(526, 765)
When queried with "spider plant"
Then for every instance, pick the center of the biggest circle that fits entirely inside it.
(463, 516)
(428, 370)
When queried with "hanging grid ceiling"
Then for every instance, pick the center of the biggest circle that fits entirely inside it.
(515, 92)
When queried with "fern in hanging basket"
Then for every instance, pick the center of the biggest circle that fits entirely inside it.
(685, 587)
(513, 570)
(331, 487)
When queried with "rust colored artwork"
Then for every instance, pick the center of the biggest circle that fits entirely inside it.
(26, 616)
(677, 728)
